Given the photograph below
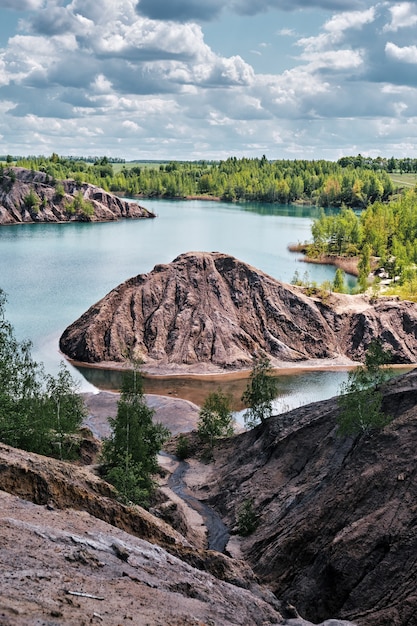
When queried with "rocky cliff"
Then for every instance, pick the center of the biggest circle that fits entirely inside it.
(28, 196)
(211, 312)
(337, 533)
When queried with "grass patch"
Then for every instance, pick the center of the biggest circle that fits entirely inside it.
(404, 180)
(118, 167)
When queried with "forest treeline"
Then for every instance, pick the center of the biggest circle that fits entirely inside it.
(352, 181)
(373, 221)
(384, 235)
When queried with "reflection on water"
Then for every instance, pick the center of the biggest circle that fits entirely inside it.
(192, 389)
(293, 389)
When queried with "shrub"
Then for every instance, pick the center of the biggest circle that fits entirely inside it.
(31, 201)
(247, 519)
(59, 191)
(183, 447)
(80, 206)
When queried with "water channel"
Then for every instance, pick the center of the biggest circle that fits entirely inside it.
(217, 532)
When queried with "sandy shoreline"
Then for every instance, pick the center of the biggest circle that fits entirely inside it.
(347, 264)
(177, 407)
(206, 372)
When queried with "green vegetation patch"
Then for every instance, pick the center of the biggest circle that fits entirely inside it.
(38, 412)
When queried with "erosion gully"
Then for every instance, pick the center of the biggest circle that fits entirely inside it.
(217, 533)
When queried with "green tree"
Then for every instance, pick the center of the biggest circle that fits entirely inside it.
(65, 410)
(364, 267)
(38, 413)
(339, 281)
(130, 454)
(215, 418)
(260, 392)
(360, 401)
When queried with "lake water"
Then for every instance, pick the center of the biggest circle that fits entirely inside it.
(52, 273)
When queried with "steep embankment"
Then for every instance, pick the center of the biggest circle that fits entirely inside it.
(211, 312)
(71, 554)
(337, 532)
(28, 196)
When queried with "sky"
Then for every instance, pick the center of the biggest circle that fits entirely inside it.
(208, 79)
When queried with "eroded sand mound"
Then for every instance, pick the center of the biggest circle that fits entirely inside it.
(210, 312)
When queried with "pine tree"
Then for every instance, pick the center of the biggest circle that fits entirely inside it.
(130, 454)
(260, 392)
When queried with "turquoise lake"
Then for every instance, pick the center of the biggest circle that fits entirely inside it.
(52, 273)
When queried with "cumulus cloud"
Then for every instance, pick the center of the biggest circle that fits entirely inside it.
(403, 15)
(336, 30)
(407, 54)
(146, 40)
(332, 60)
(57, 21)
(225, 72)
(79, 47)
(96, 77)
(350, 19)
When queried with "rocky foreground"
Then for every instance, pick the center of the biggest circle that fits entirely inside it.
(210, 312)
(28, 196)
(70, 554)
(336, 535)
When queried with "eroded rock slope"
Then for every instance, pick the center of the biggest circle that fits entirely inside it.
(72, 555)
(28, 196)
(337, 533)
(211, 312)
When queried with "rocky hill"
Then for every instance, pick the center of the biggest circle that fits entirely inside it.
(337, 533)
(211, 312)
(28, 196)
